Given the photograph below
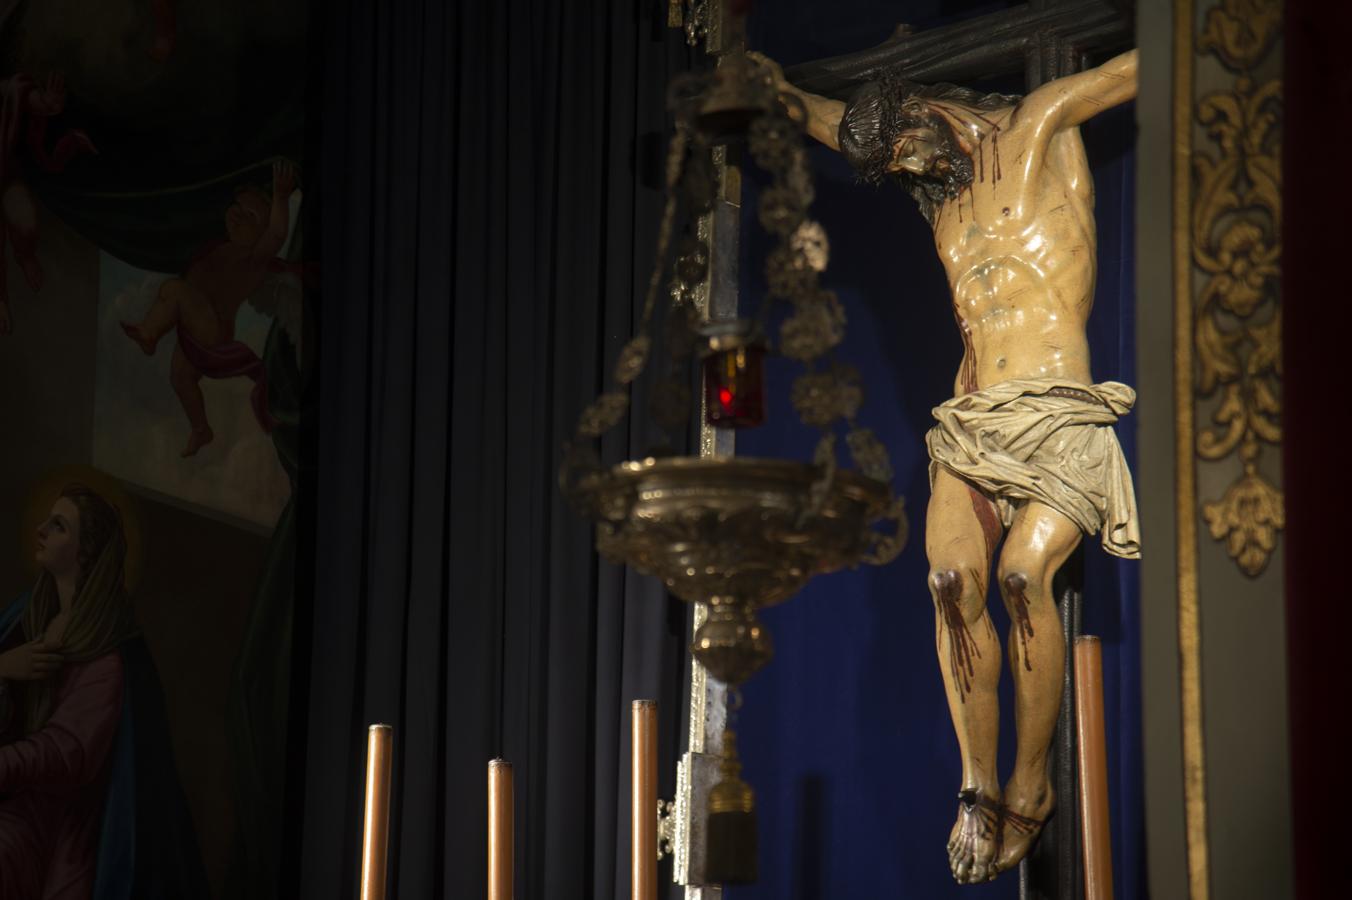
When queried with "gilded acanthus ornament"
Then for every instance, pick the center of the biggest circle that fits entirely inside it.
(1236, 228)
(1241, 32)
(1247, 518)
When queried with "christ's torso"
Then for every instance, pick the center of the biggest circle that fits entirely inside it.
(1019, 250)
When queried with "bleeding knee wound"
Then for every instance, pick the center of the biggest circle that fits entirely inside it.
(1015, 583)
(956, 595)
(946, 584)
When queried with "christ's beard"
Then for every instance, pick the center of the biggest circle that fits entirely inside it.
(951, 169)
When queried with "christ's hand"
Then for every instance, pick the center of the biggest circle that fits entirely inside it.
(822, 113)
(775, 71)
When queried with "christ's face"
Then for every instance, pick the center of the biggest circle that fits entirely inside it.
(59, 539)
(919, 151)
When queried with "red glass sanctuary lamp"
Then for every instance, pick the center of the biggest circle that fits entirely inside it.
(734, 376)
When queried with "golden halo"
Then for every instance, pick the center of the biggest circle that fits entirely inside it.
(49, 486)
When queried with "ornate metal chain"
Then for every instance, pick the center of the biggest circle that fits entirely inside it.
(827, 392)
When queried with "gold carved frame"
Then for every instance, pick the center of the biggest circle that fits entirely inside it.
(1227, 327)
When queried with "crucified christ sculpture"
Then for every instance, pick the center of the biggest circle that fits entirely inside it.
(1025, 449)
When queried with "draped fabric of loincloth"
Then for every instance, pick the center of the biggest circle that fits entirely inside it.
(1049, 440)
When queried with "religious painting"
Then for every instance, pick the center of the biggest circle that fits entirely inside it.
(88, 780)
(154, 377)
(153, 287)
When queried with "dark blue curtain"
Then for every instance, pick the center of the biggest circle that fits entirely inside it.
(488, 205)
(846, 735)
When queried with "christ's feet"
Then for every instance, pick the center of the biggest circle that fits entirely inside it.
(197, 439)
(1025, 813)
(974, 844)
(136, 334)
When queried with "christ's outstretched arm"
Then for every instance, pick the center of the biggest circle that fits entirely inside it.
(1074, 99)
(823, 113)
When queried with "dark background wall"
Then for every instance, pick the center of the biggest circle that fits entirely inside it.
(846, 735)
(46, 383)
(1317, 80)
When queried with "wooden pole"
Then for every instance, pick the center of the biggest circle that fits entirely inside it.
(643, 812)
(500, 825)
(1098, 851)
(376, 823)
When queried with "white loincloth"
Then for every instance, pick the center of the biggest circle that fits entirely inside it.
(1018, 442)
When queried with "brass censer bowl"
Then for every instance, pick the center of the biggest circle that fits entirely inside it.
(735, 533)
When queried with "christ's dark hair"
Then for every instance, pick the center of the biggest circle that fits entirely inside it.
(882, 109)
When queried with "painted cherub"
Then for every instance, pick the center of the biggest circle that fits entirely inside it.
(25, 111)
(202, 305)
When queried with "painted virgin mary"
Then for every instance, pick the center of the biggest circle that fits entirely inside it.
(84, 753)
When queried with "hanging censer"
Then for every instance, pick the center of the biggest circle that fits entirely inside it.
(738, 534)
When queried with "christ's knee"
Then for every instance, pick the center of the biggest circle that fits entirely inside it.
(957, 595)
(1035, 640)
(1024, 569)
(1024, 591)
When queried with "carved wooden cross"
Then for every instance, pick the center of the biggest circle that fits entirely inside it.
(1044, 38)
